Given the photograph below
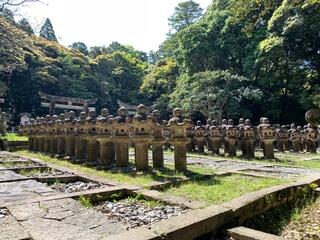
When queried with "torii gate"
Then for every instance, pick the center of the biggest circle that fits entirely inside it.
(52, 102)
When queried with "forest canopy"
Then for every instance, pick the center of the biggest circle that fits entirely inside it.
(247, 58)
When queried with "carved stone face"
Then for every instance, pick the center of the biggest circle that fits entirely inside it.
(208, 121)
(230, 122)
(122, 112)
(83, 115)
(141, 109)
(213, 122)
(241, 121)
(48, 118)
(224, 122)
(104, 112)
(62, 117)
(71, 115)
(265, 121)
(177, 112)
(247, 122)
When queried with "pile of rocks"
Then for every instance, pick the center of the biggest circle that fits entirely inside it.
(136, 214)
(76, 186)
(46, 173)
(3, 212)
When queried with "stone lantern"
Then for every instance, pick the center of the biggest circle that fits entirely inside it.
(69, 134)
(47, 138)
(120, 137)
(267, 136)
(104, 125)
(157, 140)
(30, 131)
(80, 141)
(200, 136)
(249, 137)
(311, 138)
(53, 134)
(42, 133)
(231, 137)
(36, 134)
(61, 144)
(294, 137)
(179, 140)
(141, 137)
(282, 137)
(91, 137)
(215, 137)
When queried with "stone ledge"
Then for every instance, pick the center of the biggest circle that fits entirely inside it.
(187, 226)
(243, 233)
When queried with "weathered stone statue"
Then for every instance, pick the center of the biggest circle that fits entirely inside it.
(158, 140)
(61, 144)
(80, 141)
(231, 138)
(215, 137)
(267, 136)
(142, 125)
(313, 117)
(91, 137)
(47, 138)
(107, 153)
(53, 134)
(311, 138)
(69, 134)
(282, 138)
(294, 137)
(241, 144)
(249, 134)
(200, 136)
(120, 126)
(179, 139)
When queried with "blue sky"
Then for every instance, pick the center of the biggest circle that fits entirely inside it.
(140, 23)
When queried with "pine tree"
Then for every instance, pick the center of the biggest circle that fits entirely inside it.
(47, 31)
(25, 26)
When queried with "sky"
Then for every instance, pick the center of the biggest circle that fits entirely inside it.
(142, 24)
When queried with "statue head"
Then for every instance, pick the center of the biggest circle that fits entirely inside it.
(247, 122)
(214, 123)
(54, 118)
(299, 128)
(156, 113)
(122, 112)
(198, 123)
(71, 115)
(92, 113)
(293, 126)
(62, 117)
(224, 122)
(177, 112)
(141, 109)
(104, 112)
(265, 120)
(241, 121)
(82, 115)
(230, 122)
(48, 118)
(283, 127)
(208, 121)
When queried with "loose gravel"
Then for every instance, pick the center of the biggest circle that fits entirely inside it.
(76, 186)
(138, 214)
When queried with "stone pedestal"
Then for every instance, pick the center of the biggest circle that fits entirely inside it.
(122, 154)
(92, 150)
(200, 142)
(53, 145)
(249, 148)
(295, 146)
(268, 149)
(41, 144)
(312, 146)
(70, 145)
(157, 154)
(36, 144)
(232, 147)
(107, 154)
(215, 145)
(30, 143)
(180, 156)
(47, 144)
(141, 155)
(61, 145)
(80, 148)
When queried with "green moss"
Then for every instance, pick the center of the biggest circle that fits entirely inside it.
(14, 137)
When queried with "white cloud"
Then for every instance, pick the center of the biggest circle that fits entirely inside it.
(140, 23)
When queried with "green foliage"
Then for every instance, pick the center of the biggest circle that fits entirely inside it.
(47, 31)
(184, 15)
(81, 47)
(214, 94)
(25, 26)
(85, 201)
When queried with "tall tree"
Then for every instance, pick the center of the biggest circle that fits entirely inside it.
(184, 15)
(25, 26)
(81, 47)
(47, 31)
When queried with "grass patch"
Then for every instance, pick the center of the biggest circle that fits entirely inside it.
(29, 173)
(129, 177)
(221, 189)
(14, 137)
(139, 199)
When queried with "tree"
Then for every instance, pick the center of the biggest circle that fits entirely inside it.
(214, 94)
(6, 4)
(184, 15)
(80, 46)
(25, 26)
(47, 31)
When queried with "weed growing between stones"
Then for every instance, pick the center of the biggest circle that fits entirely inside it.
(275, 220)
(85, 201)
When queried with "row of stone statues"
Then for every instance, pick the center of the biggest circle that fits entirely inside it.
(106, 139)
